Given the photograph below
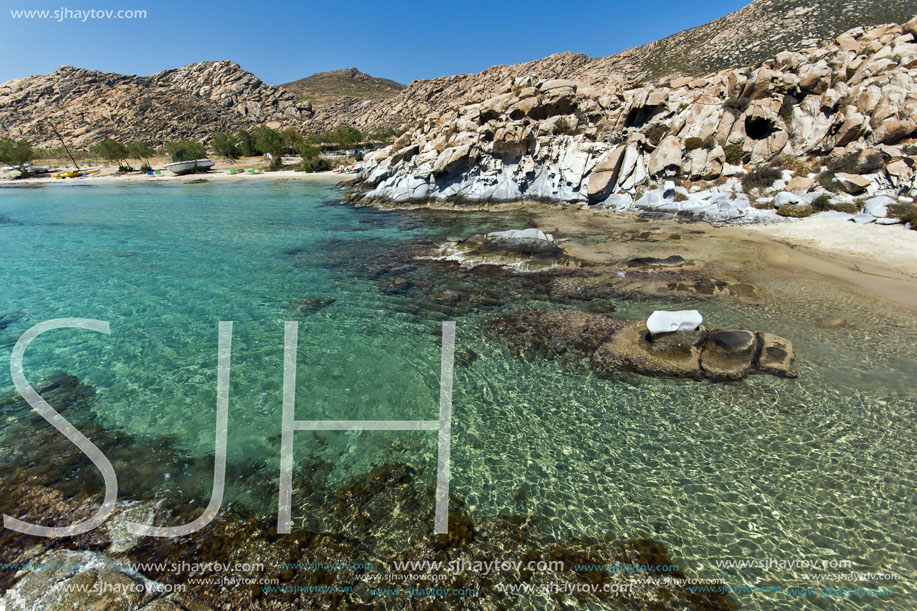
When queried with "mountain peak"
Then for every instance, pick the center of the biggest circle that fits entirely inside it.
(333, 85)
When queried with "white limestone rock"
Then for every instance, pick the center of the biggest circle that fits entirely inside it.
(665, 321)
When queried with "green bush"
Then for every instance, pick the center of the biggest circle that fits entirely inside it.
(847, 207)
(736, 106)
(655, 133)
(905, 212)
(114, 151)
(826, 180)
(342, 136)
(562, 127)
(822, 202)
(225, 145)
(291, 139)
(16, 152)
(855, 163)
(185, 150)
(786, 108)
(140, 151)
(708, 143)
(245, 144)
(796, 211)
(693, 144)
(734, 154)
(268, 140)
(316, 164)
(761, 177)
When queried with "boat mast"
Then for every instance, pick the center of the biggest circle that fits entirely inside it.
(62, 142)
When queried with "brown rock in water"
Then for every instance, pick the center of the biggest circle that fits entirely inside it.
(555, 332)
(831, 323)
(777, 355)
(672, 354)
(728, 355)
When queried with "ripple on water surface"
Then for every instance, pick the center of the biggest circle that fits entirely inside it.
(819, 467)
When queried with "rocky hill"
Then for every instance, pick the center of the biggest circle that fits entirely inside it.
(815, 121)
(324, 87)
(745, 37)
(195, 101)
(87, 106)
(752, 34)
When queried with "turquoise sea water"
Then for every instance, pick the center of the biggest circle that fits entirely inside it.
(818, 468)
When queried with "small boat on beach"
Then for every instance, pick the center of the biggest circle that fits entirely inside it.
(186, 167)
(38, 169)
(77, 173)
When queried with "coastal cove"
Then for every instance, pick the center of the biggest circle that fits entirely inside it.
(544, 449)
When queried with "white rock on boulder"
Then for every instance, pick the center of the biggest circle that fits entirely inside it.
(664, 321)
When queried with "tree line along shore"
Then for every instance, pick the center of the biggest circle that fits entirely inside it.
(317, 152)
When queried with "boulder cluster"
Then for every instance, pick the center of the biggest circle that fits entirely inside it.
(832, 120)
(190, 102)
(614, 346)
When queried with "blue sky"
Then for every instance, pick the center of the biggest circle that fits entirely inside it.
(282, 41)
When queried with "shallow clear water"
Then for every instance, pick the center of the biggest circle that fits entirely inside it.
(816, 468)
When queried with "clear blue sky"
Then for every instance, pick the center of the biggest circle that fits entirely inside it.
(283, 41)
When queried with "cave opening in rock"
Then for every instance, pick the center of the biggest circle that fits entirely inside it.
(758, 128)
(638, 117)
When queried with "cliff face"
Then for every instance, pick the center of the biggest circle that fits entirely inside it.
(565, 140)
(745, 37)
(87, 106)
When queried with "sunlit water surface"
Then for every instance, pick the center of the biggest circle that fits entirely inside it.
(823, 467)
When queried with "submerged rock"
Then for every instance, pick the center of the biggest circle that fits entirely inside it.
(310, 305)
(627, 346)
(633, 349)
(554, 332)
(670, 261)
(526, 241)
(776, 356)
(729, 355)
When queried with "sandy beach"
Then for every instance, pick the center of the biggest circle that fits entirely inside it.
(109, 175)
(874, 258)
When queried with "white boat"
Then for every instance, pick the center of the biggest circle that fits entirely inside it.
(186, 167)
(38, 169)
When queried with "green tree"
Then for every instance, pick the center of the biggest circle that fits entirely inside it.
(185, 150)
(346, 135)
(312, 160)
(142, 152)
(268, 140)
(112, 150)
(245, 142)
(291, 139)
(225, 145)
(17, 153)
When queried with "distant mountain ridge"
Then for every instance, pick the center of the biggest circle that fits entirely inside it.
(324, 87)
(87, 106)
